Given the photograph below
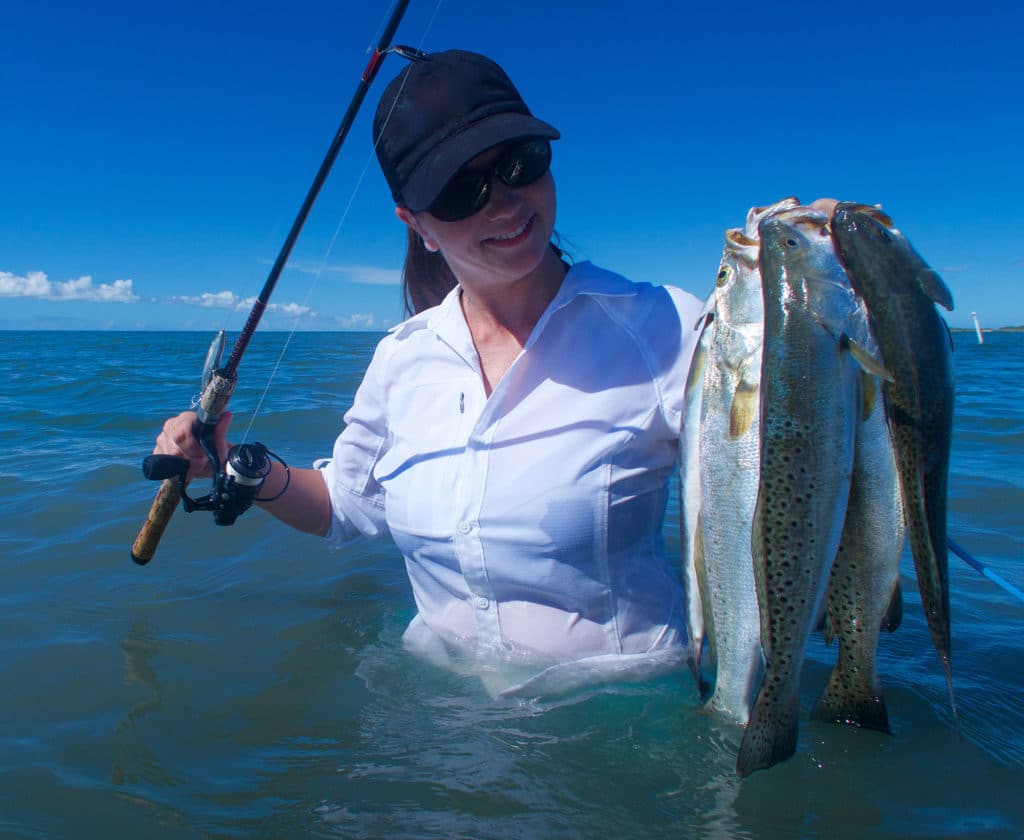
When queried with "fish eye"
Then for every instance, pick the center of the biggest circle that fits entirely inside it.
(723, 276)
(792, 243)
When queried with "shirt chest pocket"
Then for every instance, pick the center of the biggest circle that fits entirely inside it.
(429, 425)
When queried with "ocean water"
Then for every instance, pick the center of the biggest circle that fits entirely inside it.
(248, 682)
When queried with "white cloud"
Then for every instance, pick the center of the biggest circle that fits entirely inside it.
(229, 300)
(366, 274)
(213, 300)
(36, 284)
(292, 310)
(356, 322)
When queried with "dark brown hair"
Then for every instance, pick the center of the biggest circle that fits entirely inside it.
(426, 277)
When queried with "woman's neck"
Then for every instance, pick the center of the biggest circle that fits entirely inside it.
(501, 319)
(512, 308)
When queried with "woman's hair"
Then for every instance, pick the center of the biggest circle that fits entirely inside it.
(426, 277)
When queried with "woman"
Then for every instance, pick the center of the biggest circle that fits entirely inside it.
(516, 439)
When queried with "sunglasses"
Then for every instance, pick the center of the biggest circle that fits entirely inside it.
(519, 165)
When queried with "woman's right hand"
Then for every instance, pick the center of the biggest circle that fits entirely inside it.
(178, 439)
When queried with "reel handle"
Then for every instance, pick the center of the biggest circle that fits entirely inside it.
(158, 467)
(160, 513)
(212, 403)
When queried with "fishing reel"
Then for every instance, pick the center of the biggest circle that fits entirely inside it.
(235, 487)
(236, 483)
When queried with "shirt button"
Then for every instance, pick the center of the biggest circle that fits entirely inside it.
(465, 527)
(483, 603)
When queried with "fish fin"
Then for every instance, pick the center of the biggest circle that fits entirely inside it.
(869, 362)
(930, 576)
(867, 712)
(827, 626)
(745, 406)
(771, 734)
(869, 396)
(757, 554)
(893, 617)
(739, 236)
(709, 628)
(695, 376)
(700, 563)
(707, 314)
(869, 358)
(933, 286)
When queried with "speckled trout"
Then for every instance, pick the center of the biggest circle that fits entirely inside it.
(901, 292)
(863, 595)
(728, 477)
(720, 464)
(729, 465)
(816, 341)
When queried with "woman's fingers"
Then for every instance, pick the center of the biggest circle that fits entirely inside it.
(178, 438)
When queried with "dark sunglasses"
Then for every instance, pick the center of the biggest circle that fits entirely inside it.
(519, 165)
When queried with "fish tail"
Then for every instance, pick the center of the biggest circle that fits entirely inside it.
(770, 736)
(931, 565)
(864, 709)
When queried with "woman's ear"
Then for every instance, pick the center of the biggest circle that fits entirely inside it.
(409, 218)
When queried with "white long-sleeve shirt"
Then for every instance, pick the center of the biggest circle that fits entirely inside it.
(530, 520)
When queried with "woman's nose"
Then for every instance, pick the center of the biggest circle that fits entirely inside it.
(505, 200)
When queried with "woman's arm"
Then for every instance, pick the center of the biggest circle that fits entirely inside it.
(304, 505)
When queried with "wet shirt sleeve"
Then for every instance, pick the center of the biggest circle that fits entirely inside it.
(357, 500)
(674, 350)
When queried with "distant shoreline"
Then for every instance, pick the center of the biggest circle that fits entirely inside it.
(988, 329)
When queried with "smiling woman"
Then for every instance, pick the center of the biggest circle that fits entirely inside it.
(515, 436)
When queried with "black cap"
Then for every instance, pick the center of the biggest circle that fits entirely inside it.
(441, 112)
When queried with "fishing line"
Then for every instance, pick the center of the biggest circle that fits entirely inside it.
(341, 222)
(978, 566)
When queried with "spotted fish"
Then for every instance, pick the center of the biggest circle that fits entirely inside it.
(901, 292)
(863, 594)
(816, 342)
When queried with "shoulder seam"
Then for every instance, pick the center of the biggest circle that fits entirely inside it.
(642, 346)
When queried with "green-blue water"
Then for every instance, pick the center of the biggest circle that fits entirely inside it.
(248, 682)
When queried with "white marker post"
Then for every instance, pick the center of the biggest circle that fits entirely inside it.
(977, 327)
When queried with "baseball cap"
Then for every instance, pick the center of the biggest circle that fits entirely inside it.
(438, 114)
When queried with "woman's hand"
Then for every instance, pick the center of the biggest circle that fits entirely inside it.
(178, 439)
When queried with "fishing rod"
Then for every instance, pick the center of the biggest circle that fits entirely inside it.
(236, 485)
(978, 566)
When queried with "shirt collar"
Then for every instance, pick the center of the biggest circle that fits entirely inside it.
(585, 278)
(447, 321)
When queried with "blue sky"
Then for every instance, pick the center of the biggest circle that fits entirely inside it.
(153, 157)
